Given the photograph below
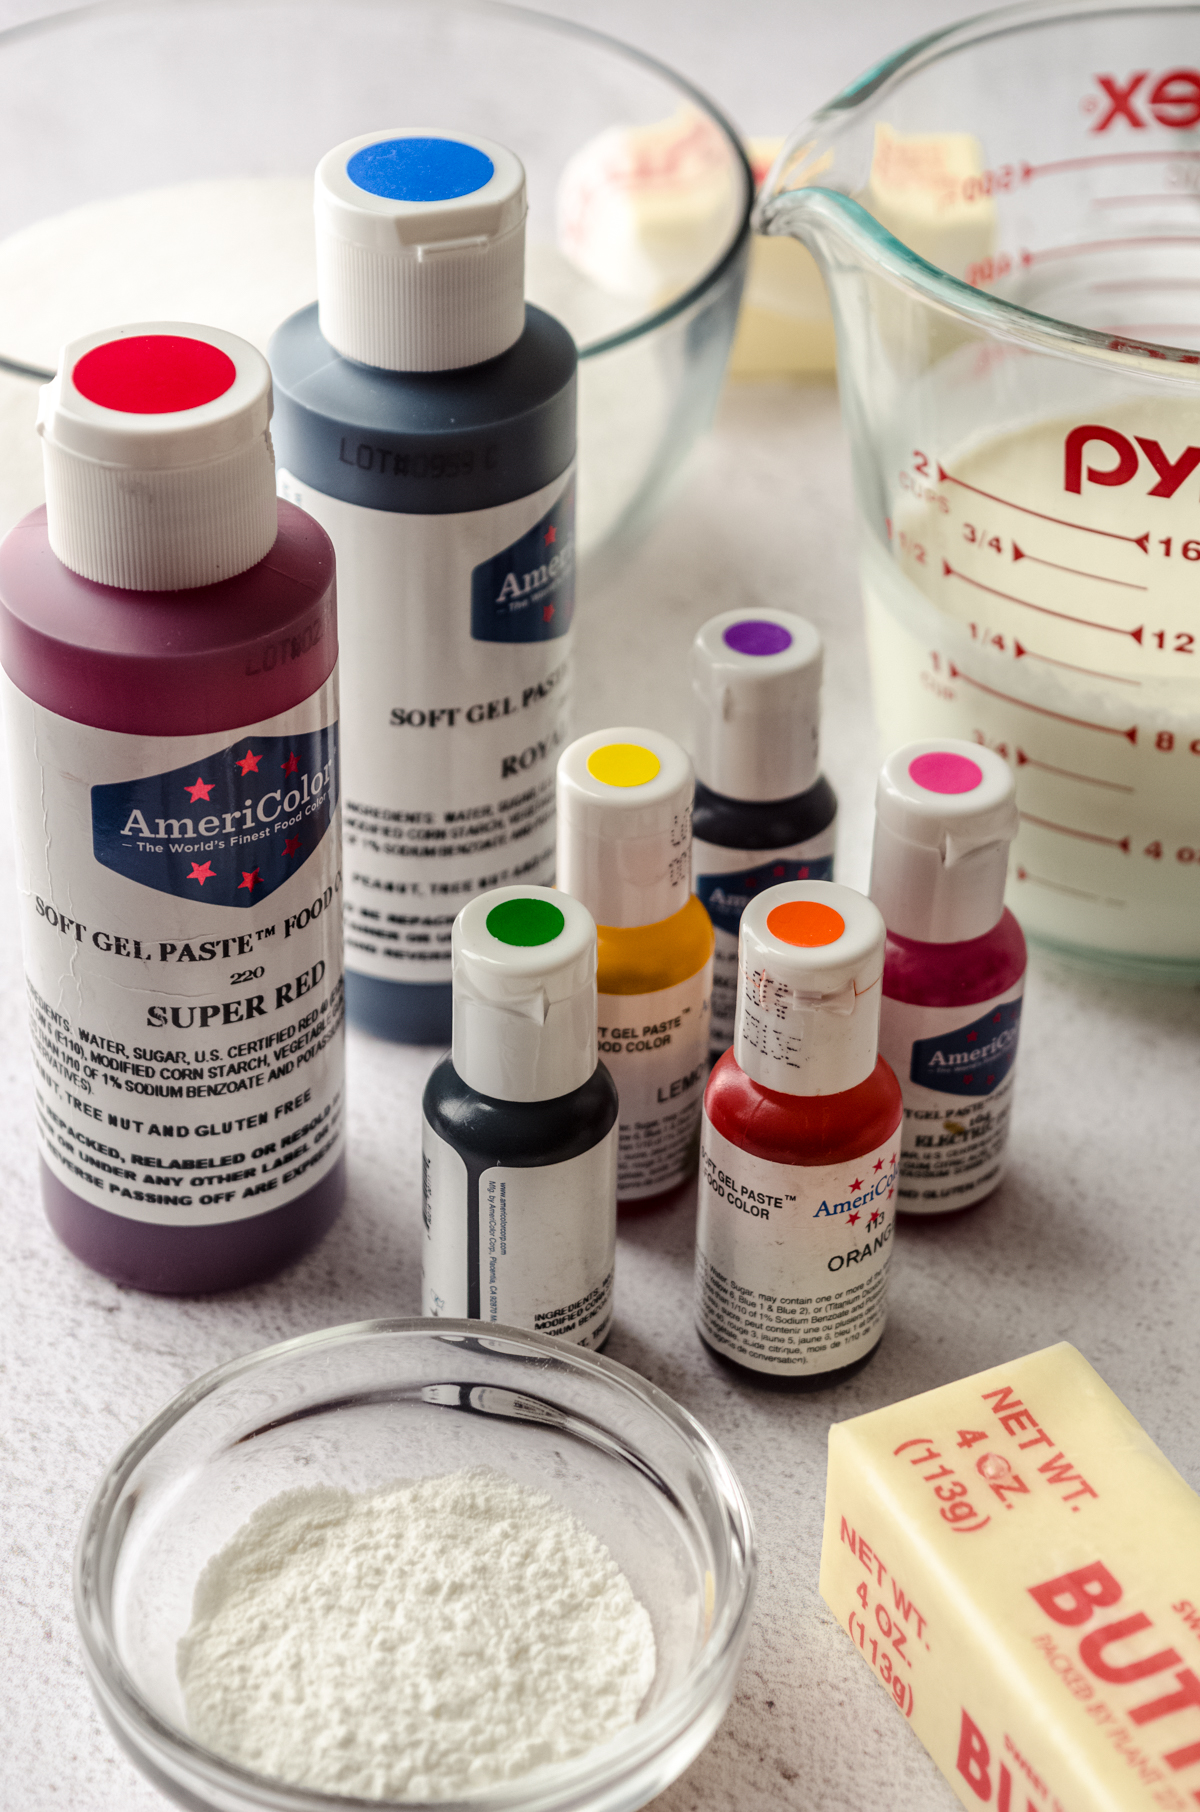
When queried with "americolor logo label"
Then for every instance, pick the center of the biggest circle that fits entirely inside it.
(526, 593)
(228, 829)
(975, 1059)
(727, 896)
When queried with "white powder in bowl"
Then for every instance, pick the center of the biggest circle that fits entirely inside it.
(413, 1642)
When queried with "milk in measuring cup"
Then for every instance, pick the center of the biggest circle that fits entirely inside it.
(1041, 595)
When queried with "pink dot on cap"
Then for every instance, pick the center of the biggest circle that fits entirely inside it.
(153, 374)
(940, 771)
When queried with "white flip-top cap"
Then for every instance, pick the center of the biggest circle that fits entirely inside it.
(524, 975)
(810, 962)
(420, 249)
(625, 825)
(945, 814)
(756, 686)
(157, 454)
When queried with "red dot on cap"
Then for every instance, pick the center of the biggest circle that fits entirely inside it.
(153, 374)
(940, 771)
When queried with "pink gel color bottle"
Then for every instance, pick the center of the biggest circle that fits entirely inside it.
(169, 643)
(945, 814)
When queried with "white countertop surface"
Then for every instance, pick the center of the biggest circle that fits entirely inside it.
(1089, 1239)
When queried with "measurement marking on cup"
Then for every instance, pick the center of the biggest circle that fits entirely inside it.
(1080, 723)
(1019, 553)
(1118, 679)
(1067, 830)
(1029, 171)
(1114, 786)
(1048, 253)
(1142, 541)
(1101, 899)
(1064, 616)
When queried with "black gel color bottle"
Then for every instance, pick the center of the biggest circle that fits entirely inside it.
(426, 418)
(764, 812)
(519, 1128)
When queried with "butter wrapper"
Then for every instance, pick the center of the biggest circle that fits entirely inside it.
(1020, 1567)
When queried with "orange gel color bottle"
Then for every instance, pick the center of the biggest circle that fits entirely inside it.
(624, 850)
(800, 1146)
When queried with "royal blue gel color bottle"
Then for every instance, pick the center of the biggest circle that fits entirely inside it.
(425, 416)
(764, 813)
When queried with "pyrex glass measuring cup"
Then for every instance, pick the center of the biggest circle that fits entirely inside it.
(1014, 315)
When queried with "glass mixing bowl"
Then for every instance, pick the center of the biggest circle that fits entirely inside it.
(362, 1406)
(158, 162)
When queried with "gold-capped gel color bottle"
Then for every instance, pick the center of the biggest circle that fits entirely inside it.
(624, 849)
(519, 1135)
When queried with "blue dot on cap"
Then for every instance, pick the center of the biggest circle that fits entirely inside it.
(420, 169)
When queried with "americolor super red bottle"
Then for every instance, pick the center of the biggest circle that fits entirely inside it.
(945, 814)
(799, 1146)
(169, 643)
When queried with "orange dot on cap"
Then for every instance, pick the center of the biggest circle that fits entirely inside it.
(805, 922)
(623, 764)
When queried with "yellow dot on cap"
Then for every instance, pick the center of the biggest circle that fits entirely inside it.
(623, 764)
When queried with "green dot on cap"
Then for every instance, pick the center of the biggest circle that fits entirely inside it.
(525, 922)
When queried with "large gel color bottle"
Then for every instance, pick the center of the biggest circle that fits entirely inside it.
(800, 1146)
(426, 418)
(519, 1129)
(945, 814)
(624, 849)
(169, 644)
(764, 812)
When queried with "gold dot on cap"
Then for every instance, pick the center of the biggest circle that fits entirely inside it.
(623, 764)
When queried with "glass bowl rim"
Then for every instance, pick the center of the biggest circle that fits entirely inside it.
(569, 1786)
(550, 23)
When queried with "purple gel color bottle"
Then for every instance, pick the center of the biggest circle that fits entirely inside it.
(165, 595)
(954, 971)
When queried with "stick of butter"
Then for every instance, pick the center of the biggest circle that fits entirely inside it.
(1020, 1566)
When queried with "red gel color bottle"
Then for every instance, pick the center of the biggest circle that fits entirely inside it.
(799, 1146)
(945, 814)
(168, 641)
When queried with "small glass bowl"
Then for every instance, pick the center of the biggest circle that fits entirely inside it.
(376, 1401)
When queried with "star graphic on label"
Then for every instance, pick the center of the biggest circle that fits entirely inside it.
(202, 872)
(892, 1159)
(995, 1019)
(199, 789)
(971, 1037)
(891, 1192)
(879, 1163)
(291, 846)
(250, 880)
(550, 537)
(877, 1216)
(291, 764)
(779, 870)
(547, 613)
(857, 1183)
(853, 1219)
(249, 762)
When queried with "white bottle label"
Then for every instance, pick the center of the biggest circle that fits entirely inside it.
(455, 662)
(655, 1048)
(792, 1260)
(180, 904)
(531, 1246)
(725, 881)
(955, 1070)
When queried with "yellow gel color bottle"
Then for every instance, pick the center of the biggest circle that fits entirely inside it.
(624, 850)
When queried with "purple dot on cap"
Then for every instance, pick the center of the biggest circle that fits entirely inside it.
(755, 635)
(940, 771)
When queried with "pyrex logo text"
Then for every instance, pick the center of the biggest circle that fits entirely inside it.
(1169, 473)
(1142, 99)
